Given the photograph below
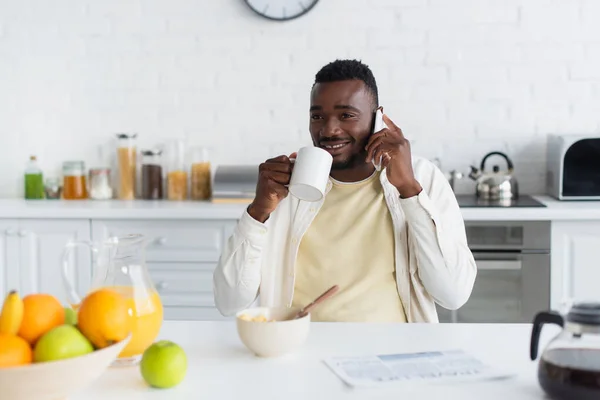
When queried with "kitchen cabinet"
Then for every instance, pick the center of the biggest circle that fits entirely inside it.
(31, 251)
(575, 260)
(170, 241)
(181, 256)
(9, 256)
(41, 246)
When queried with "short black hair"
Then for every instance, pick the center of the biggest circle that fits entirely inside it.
(343, 70)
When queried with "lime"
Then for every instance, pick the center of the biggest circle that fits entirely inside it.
(164, 364)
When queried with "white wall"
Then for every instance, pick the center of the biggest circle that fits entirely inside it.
(461, 77)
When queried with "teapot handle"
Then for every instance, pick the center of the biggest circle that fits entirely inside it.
(72, 295)
(497, 153)
(546, 317)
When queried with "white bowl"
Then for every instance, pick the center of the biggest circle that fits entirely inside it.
(60, 379)
(272, 338)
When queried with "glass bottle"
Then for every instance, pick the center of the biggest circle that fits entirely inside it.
(74, 182)
(177, 177)
(200, 175)
(152, 174)
(126, 161)
(34, 180)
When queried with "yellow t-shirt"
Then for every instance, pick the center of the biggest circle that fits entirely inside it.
(351, 244)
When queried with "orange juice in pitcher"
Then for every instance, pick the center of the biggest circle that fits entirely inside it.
(147, 317)
(121, 267)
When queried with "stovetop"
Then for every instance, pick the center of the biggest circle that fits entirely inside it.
(467, 200)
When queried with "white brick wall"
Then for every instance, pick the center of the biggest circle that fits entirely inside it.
(462, 78)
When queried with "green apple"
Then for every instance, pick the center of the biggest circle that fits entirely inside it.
(70, 316)
(64, 341)
(164, 364)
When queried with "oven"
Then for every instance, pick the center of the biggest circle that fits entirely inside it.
(513, 273)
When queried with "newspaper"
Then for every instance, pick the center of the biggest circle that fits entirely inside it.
(451, 366)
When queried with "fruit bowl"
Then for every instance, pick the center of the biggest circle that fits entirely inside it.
(270, 332)
(57, 379)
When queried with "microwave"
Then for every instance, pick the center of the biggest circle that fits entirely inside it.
(573, 167)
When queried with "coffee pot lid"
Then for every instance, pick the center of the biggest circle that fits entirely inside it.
(587, 313)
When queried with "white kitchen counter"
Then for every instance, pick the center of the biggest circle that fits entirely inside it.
(220, 367)
(118, 209)
(140, 209)
(555, 210)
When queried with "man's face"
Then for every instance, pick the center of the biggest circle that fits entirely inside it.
(341, 117)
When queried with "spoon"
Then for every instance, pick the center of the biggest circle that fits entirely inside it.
(306, 309)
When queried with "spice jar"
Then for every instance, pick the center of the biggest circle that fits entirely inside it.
(126, 159)
(52, 188)
(200, 175)
(100, 188)
(177, 177)
(74, 182)
(152, 175)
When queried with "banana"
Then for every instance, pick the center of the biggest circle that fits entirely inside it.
(11, 315)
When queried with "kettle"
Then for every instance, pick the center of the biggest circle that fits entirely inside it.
(495, 185)
(569, 367)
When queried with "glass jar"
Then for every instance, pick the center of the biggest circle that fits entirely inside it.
(200, 175)
(126, 159)
(100, 188)
(152, 175)
(74, 182)
(177, 177)
(52, 188)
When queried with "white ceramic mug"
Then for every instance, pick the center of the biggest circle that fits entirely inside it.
(311, 173)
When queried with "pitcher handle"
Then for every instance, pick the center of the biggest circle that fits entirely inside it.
(72, 296)
(541, 318)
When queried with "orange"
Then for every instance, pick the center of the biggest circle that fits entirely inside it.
(14, 351)
(41, 313)
(146, 312)
(104, 317)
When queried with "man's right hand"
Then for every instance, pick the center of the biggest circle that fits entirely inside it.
(273, 178)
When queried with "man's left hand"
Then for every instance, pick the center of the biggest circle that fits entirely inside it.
(394, 150)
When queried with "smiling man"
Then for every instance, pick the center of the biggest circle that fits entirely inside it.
(393, 240)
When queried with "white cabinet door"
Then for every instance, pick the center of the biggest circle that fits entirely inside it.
(42, 244)
(9, 256)
(575, 260)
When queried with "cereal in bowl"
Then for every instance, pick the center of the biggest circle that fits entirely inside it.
(260, 318)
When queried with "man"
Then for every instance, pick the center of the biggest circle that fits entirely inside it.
(393, 241)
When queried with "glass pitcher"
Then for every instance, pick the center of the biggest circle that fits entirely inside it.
(569, 367)
(119, 263)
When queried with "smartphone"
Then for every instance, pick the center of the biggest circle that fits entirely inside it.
(377, 126)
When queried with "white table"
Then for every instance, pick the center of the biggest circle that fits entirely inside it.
(220, 367)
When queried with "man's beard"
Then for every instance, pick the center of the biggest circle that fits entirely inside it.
(341, 165)
(350, 162)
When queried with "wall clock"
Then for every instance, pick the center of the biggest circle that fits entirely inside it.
(281, 10)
